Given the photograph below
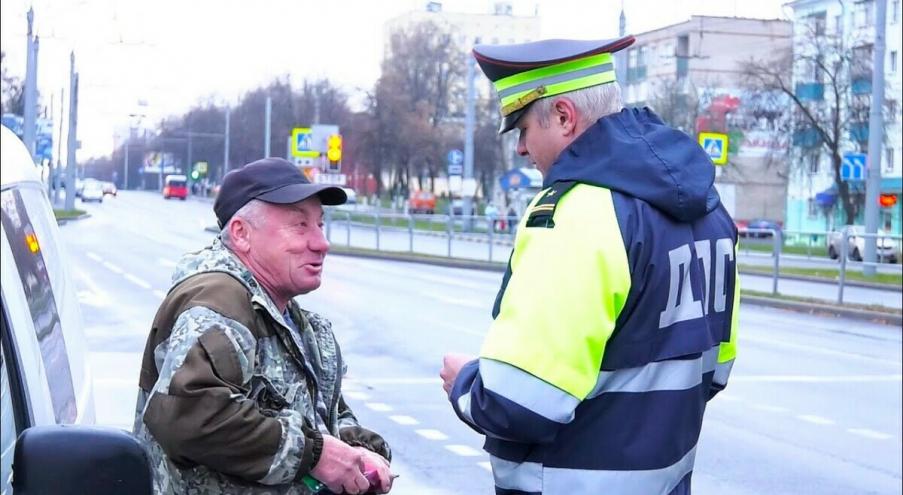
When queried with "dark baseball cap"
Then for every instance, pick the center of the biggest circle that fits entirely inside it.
(274, 180)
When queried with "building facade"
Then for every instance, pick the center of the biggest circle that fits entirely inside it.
(812, 200)
(691, 74)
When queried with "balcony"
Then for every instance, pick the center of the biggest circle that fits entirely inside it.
(861, 84)
(859, 132)
(806, 138)
(810, 91)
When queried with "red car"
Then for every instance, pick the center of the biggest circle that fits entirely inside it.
(422, 202)
(175, 186)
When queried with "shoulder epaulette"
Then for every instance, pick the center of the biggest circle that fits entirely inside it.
(540, 215)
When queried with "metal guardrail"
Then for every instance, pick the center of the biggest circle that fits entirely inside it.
(476, 226)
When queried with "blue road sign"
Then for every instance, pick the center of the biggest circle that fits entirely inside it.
(455, 157)
(715, 145)
(853, 166)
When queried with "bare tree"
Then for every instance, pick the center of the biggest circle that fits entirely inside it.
(830, 98)
(676, 102)
(13, 92)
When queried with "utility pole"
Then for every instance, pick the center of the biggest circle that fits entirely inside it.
(189, 165)
(266, 134)
(876, 139)
(621, 56)
(469, 117)
(226, 145)
(72, 139)
(31, 85)
(55, 177)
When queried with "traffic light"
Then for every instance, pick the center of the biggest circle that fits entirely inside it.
(887, 200)
(334, 151)
(195, 174)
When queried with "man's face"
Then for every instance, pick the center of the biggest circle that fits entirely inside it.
(288, 247)
(541, 144)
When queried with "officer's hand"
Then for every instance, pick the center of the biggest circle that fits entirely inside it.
(341, 467)
(451, 366)
(381, 480)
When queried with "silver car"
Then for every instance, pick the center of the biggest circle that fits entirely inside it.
(886, 248)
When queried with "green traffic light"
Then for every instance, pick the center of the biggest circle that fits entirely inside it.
(194, 174)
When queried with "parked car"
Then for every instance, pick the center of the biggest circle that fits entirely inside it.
(92, 191)
(47, 402)
(175, 186)
(759, 225)
(422, 202)
(109, 189)
(885, 247)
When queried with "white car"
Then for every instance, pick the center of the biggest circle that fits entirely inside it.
(92, 191)
(46, 391)
(885, 247)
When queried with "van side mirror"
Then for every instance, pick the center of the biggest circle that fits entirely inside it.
(80, 459)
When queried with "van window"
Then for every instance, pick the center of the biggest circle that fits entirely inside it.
(176, 183)
(26, 247)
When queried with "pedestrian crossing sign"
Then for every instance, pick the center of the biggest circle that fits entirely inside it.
(715, 145)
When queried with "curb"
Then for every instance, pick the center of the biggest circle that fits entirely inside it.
(825, 309)
(64, 221)
(801, 307)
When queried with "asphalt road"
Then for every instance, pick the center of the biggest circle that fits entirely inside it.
(814, 404)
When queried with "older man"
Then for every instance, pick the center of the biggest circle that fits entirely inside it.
(616, 320)
(240, 388)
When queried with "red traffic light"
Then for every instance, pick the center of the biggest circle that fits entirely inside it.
(887, 200)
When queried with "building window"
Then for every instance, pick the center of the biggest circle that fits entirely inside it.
(864, 13)
(895, 11)
(838, 25)
(683, 55)
(891, 114)
(888, 161)
(893, 62)
(813, 163)
(813, 208)
(817, 23)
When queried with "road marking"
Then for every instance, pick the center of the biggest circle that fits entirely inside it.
(816, 419)
(113, 268)
(865, 432)
(356, 395)
(94, 256)
(137, 281)
(816, 350)
(91, 298)
(159, 293)
(378, 406)
(464, 450)
(404, 420)
(470, 303)
(413, 380)
(485, 465)
(432, 434)
(768, 408)
(166, 263)
(817, 378)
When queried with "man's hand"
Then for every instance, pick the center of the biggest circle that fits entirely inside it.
(341, 467)
(451, 366)
(378, 464)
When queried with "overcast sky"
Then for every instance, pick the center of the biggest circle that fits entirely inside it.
(174, 53)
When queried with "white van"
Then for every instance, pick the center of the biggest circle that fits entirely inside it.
(45, 388)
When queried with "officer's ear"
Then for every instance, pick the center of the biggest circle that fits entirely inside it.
(240, 234)
(565, 116)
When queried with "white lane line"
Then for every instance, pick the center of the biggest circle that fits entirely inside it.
(137, 281)
(166, 263)
(356, 395)
(464, 450)
(412, 380)
(485, 465)
(404, 420)
(159, 293)
(818, 420)
(432, 434)
(815, 350)
(113, 268)
(94, 256)
(769, 408)
(818, 379)
(865, 432)
(378, 406)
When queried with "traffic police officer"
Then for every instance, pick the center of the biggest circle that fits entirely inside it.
(616, 319)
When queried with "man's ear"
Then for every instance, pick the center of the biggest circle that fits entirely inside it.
(565, 116)
(240, 233)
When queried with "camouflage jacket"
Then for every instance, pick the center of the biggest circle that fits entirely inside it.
(232, 399)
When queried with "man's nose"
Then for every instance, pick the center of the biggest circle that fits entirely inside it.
(320, 243)
(521, 147)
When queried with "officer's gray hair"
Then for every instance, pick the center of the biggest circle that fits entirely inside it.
(252, 212)
(593, 103)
